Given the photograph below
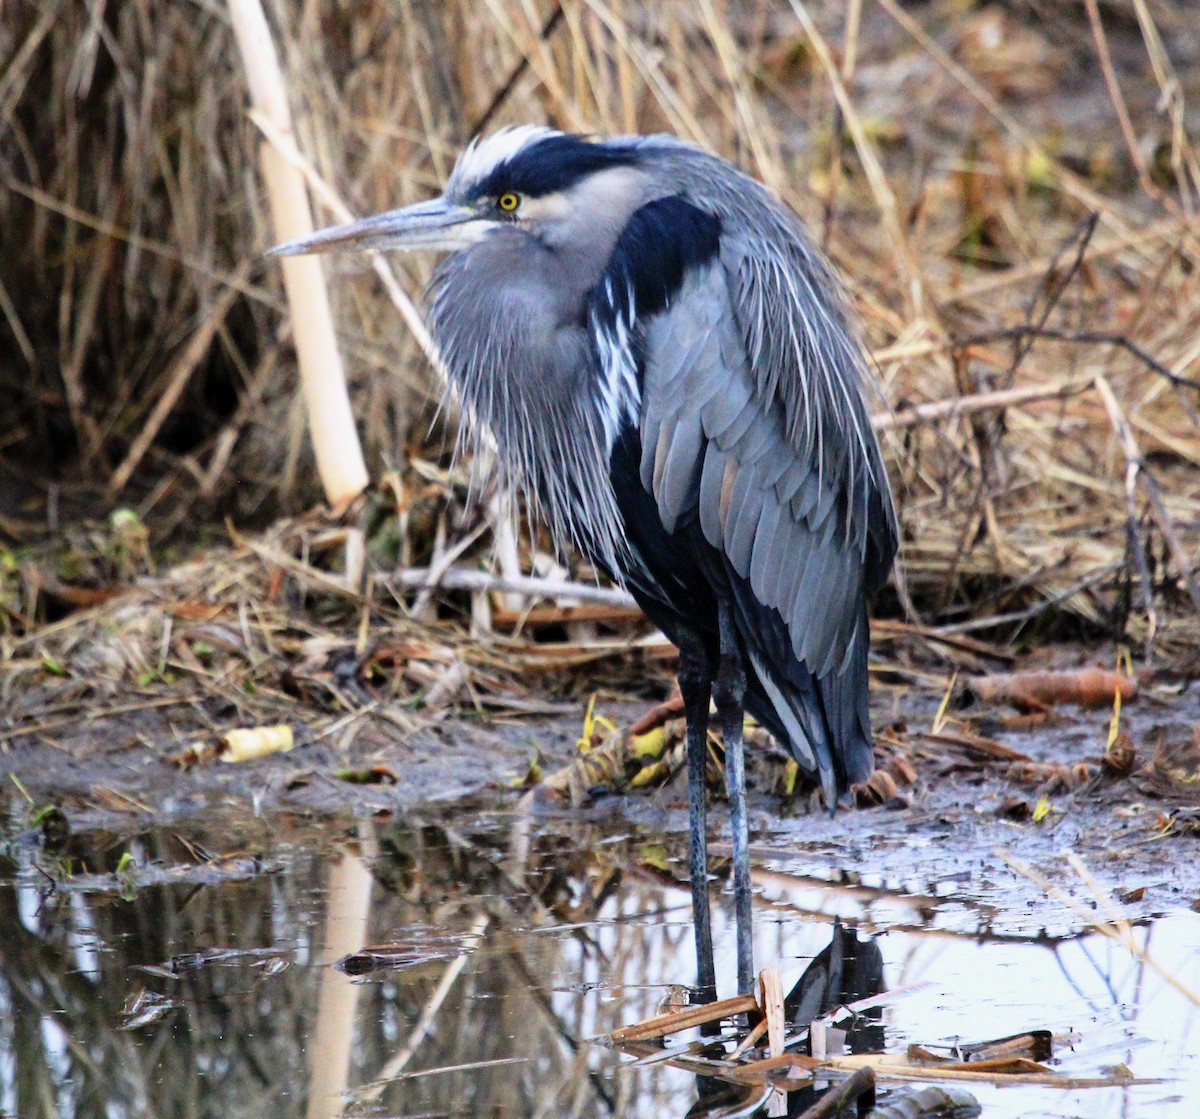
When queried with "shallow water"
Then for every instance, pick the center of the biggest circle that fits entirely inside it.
(182, 972)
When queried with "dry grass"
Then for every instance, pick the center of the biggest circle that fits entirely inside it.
(1042, 363)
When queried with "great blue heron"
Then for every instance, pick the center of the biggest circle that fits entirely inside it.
(662, 361)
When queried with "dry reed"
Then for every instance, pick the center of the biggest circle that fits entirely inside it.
(1010, 191)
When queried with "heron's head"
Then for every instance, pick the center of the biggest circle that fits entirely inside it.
(556, 187)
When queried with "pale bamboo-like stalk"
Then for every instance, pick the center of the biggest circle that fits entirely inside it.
(322, 378)
(346, 917)
(399, 1060)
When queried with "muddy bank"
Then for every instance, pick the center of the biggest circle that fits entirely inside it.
(1035, 789)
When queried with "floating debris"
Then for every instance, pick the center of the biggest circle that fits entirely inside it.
(145, 1008)
(425, 945)
(840, 987)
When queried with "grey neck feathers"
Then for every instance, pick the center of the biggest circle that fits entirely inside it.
(516, 355)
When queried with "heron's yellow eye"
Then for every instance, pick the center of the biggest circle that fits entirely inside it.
(508, 202)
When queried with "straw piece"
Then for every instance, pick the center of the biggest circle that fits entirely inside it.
(664, 1024)
(462, 579)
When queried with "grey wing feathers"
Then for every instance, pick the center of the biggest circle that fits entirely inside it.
(712, 444)
(686, 378)
(803, 362)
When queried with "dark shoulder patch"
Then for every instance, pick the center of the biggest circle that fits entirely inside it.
(553, 164)
(662, 242)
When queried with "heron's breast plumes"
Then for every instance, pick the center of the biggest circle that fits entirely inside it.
(519, 364)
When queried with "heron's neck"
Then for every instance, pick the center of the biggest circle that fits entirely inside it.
(517, 354)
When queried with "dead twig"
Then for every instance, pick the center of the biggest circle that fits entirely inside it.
(1077, 337)
(462, 579)
(665, 1024)
(970, 403)
(1052, 288)
(1137, 467)
(515, 75)
(1118, 103)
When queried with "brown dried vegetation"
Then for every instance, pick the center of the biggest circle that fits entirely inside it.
(1009, 190)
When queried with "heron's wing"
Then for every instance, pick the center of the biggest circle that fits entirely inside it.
(804, 363)
(714, 450)
(808, 369)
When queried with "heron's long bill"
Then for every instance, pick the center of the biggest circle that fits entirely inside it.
(436, 224)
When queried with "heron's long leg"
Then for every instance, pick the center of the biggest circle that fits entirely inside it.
(729, 692)
(695, 685)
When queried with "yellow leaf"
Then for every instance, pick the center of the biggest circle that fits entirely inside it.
(1041, 810)
(1114, 724)
(655, 855)
(939, 719)
(1039, 170)
(791, 774)
(592, 721)
(533, 775)
(656, 771)
(584, 744)
(648, 745)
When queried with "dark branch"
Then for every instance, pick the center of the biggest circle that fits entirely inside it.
(502, 93)
(1082, 337)
(1051, 289)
